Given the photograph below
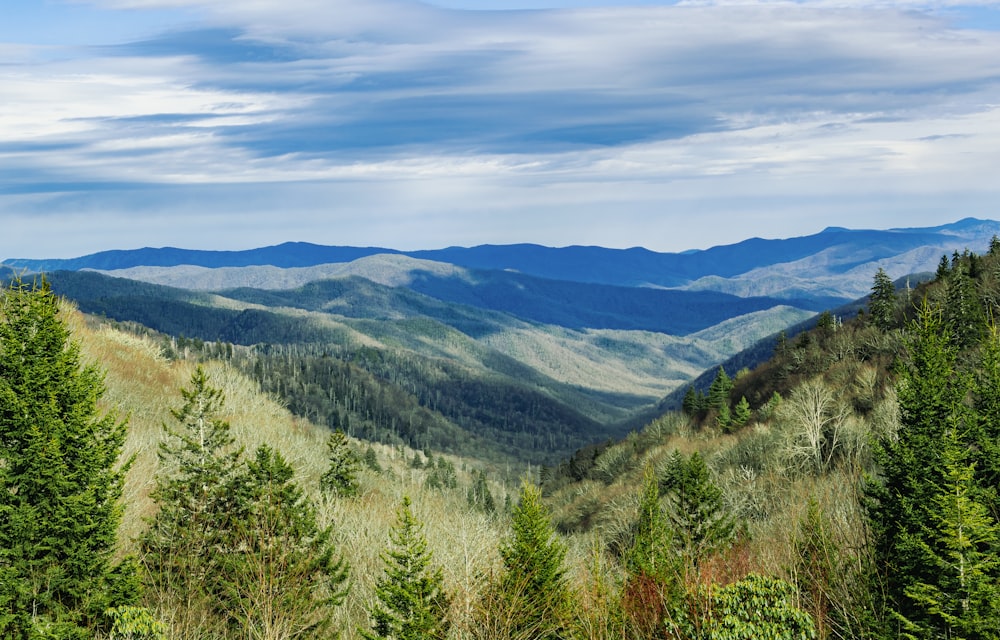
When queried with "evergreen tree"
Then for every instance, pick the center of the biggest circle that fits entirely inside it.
(943, 268)
(694, 401)
(742, 412)
(882, 302)
(479, 496)
(371, 460)
(963, 313)
(899, 506)
(278, 576)
(698, 516)
(196, 497)
(412, 602)
(535, 593)
(961, 599)
(60, 477)
(652, 583)
(650, 551)
(718, 392)
(340, 478)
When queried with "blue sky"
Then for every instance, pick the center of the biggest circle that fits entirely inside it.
(230, 124)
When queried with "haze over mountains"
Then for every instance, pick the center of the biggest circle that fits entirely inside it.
(588, 340)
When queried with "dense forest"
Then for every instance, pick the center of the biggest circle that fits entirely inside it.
(846, 488)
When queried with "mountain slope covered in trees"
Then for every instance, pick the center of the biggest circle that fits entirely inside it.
(844, 488)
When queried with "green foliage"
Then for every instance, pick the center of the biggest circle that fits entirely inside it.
(758, 608)
(412, 602)
(962, 598)
(135, 623)
(533, 588)
(694, 401)
(196, 495)
(741, 413)
(931, 396)
(441, 475)
(652, 572)
(370, 460)
(60, 476)
(964, 315)
(718, 392)
(651, 550)
(699, 519)
(278, 575)
(479, 496)
(882, 302)
(340, 478)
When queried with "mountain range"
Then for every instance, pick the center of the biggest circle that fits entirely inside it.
(599, 336)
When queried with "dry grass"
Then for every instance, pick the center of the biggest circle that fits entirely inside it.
(142, 386)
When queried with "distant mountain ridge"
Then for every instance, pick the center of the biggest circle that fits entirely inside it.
(572, 345)
(844, 250)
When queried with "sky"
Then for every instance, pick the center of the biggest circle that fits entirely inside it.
(233, 124)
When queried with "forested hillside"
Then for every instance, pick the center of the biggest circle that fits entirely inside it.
(846, 488)
(396, 366)
(858, 463)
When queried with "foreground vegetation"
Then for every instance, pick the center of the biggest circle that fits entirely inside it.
(847, 488)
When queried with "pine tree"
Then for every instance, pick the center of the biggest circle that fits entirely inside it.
(960, 595)
(882, 302)
(534, 590)
(652, 573)
(61, 477)
(196, 497)
(943, 268)
(742, 412)
(278, 576)
(479, 496)
(718, 392)
(650, 551)
(340, 478)
(700, 522)
(963, 313)
(413, 604)
(899, 504)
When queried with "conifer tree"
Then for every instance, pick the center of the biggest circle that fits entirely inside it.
(60, 476)
(340, 478)
(533, 586)
(931, 399)
(650, 552)
(718, 392)
(742, 412)
(413, 604)
(278, 576)
(700, 522)
(479, 496)
(196, 498)
(652, 582)
(882, 302)
(960, 596)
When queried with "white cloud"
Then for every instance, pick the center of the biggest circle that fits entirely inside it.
(625, 126)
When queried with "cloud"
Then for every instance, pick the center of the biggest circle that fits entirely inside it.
(405, 122)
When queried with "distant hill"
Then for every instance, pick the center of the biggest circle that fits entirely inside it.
(542, 349)
(841, 253)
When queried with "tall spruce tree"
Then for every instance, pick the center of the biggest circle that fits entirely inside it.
(196, 497)
(278, 576)
(882, 302)
(699, 519)
(900, 503)
(412, 602)
(960, 596)
(534, 593)
(60, 477)
(341, 477)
